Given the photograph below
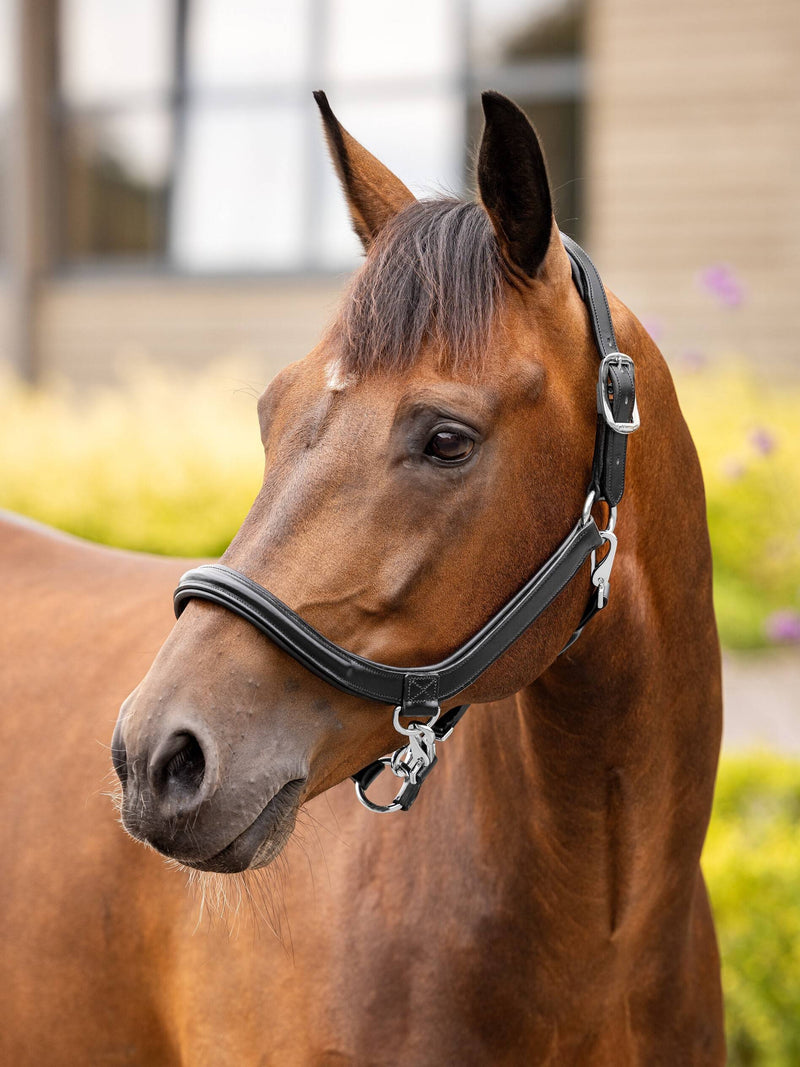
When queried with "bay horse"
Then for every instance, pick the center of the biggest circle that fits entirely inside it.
(543, 902)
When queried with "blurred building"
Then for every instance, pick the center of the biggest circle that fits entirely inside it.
(166, 192)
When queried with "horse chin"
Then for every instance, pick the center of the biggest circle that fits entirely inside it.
(264, 839)
(256, 846)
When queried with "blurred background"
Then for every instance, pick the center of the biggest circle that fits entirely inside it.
(171, 235)
(165, 187)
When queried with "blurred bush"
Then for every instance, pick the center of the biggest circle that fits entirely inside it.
(752, 865)
(168, 464)
(748, 439)
(171, 464)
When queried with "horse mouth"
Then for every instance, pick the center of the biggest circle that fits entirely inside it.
(264, 838)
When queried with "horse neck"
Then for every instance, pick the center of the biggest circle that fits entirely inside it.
(595, 781)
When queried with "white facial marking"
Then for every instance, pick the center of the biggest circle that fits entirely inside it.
(335, 379)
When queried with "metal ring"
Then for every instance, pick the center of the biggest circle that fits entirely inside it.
(586, 514)
(407, 731)
(381, 809)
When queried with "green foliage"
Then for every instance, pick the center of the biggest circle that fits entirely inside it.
(752, 865)
(171, 464)
(748, 440)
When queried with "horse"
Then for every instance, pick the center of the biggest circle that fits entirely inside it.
(543, 901)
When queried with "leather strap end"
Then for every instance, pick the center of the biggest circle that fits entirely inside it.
(421, 694)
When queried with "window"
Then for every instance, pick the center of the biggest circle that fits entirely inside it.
(188, 139)
(117, 130)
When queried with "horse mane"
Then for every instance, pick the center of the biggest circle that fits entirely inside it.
(433, 276)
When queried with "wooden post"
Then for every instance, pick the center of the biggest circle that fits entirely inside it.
(28, 206)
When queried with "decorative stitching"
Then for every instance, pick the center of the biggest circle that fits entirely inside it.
(421, 689)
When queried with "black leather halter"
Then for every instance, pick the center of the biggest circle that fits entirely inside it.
(417, 692)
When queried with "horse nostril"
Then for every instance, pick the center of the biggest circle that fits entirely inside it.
(187, 767)
(179, 768)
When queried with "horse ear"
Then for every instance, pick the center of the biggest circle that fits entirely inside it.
(512, 180)
(374, 195)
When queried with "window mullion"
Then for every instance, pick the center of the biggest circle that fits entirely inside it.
(178, 119)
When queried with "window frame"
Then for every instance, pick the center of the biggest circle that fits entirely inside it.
(546, 79)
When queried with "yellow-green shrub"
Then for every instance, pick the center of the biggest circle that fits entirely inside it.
(169, 464)
(748, 439)
(752, 865)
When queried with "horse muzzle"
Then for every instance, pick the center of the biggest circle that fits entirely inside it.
(173, 801)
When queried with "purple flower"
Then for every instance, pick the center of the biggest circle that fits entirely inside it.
(693, 359)
(720, 282)
(783, 626)
(655, 327)
(733, 468)
(762, 440)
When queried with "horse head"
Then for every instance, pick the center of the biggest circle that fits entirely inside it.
(420, 464)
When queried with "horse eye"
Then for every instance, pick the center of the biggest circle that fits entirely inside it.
(450, 446)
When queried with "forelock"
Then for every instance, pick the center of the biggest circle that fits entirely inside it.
(433, 276)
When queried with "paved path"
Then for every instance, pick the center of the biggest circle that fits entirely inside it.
(762, 700)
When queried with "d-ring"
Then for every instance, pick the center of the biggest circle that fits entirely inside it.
(381, 809)
(407, 731)
(586, 514)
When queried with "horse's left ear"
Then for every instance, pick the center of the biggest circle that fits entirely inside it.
(374, 194)
(512, 180)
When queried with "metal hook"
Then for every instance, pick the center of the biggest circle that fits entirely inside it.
(411, 762)
(601, 572)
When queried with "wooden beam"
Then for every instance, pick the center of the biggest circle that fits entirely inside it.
(29, 155)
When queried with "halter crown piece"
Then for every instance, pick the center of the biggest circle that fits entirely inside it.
(417, 692)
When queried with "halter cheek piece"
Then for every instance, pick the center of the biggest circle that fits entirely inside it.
(418, 692)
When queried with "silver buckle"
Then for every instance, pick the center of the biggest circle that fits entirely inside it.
(618, 359)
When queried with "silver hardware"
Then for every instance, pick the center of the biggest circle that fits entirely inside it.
(601, 572)
(406, 730)
(588, 503)
(586, 514)
(381, 809)
(417, 756)
(603, 407)
(411, 763)
(444, 737)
